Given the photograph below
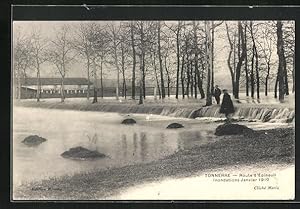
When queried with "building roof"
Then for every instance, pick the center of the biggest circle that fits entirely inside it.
(55, 81)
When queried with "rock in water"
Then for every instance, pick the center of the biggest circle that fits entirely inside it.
(232, 129)
(175, 125)
(33, 140)
(128, 121)
(81, 153)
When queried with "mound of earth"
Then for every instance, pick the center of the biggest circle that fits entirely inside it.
(33, 140)
(232, 129)
(175, 125)
(128, 121)
(81, 153)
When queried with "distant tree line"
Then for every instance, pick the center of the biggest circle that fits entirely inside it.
(178, 54)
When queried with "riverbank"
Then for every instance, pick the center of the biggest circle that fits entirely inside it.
(274, 146)
(192, 108)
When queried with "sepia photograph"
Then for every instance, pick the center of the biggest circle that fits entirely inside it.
(153, 110)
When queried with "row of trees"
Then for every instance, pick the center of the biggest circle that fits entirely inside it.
(180, 54)
(253, 47)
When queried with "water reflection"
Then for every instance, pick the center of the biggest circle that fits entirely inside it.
(161, 142)
(134, 143)
(143, 146)
(123, 144)
(189, 139)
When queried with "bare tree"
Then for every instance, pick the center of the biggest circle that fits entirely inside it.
(83, 45)
(124, 54)
(266, 50)
(162, 82)
(133, 59)
(22, 58)
(114, 29)
(197, 81)
(281, 58)
(209, 60)
(235, 68)
(61, 54)
(176, 29)
(99, 40)
(39, 47)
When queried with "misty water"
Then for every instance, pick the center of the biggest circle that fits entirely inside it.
(143, 142)
(146, 141)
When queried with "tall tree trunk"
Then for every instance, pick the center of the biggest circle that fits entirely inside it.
(192, 78)
(241, 56)
(293, 90)
(200, 84)
(231, 69)
(141, 80)
(101, 77)
(168, 77)
(188, 78)
(144, 76)
(38, 92)
(255, 54)
(133, 61)
(116, 63)
(246, 64)
(156, 78)
(178, 60)
(88, 78)
(163, 93)
(257, 74)
(286, 81)
(142, 60)
(234, 66)
(267, 78)
(208, 62)
(95, 96)
(252, 72)
(252, 61)
(62, 89)
(182, 76)
(124, 93)
(196, 83)
(212, 56)
(276, 87)
(280, 53)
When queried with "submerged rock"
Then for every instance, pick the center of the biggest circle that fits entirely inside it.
(81, 153)
(232, 129)
(128, 121)
(175, 125)
(33, 140)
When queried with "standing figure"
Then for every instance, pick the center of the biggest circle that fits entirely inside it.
(227, 105)
(217, 94)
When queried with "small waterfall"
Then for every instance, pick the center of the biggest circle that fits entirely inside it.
(259, 113)
(263, 114)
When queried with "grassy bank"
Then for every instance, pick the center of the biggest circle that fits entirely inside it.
(271, 147)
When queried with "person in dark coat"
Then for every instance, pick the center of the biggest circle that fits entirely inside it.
(217, 94)
(227, 106)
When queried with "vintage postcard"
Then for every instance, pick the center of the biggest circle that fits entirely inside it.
(153, 110)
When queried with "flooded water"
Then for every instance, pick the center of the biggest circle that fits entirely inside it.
(143, 142)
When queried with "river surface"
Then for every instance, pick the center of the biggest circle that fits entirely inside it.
(143, 142)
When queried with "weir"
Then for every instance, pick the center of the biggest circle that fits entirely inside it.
(258, 113)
